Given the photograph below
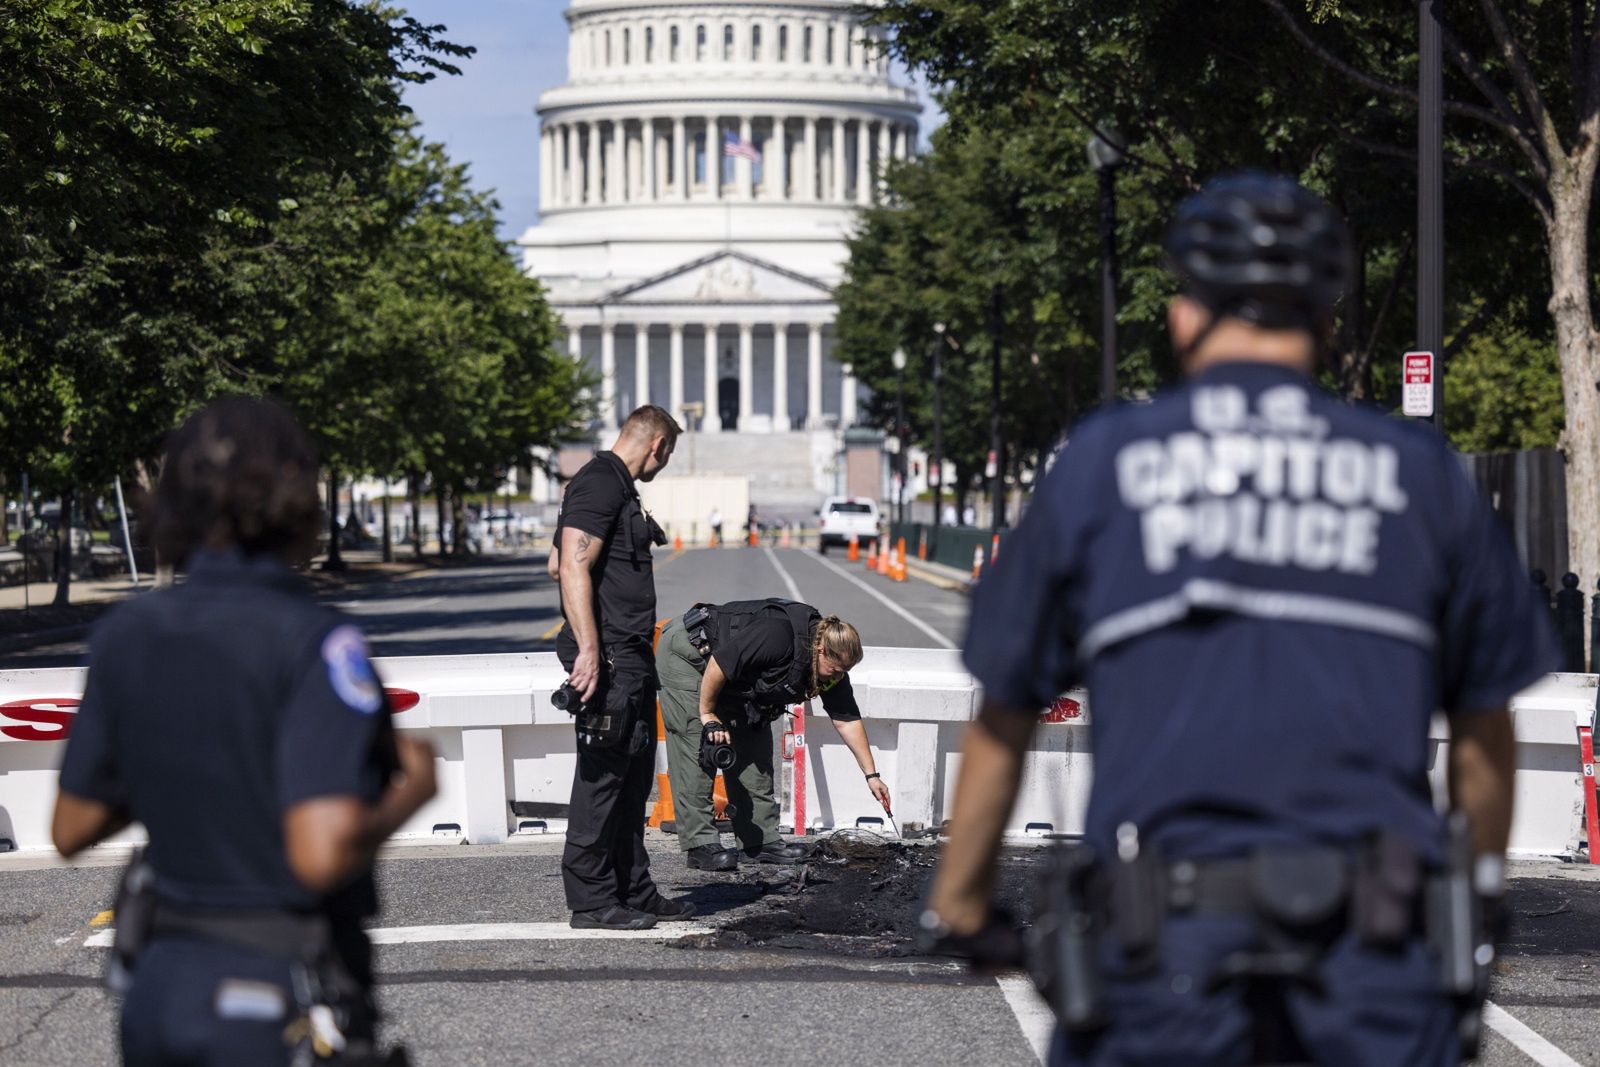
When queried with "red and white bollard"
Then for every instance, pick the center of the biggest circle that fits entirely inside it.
(794, 753)
(1591, 814)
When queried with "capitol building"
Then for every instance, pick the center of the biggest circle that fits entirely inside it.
(699, 173)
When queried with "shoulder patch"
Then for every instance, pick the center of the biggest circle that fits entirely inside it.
(344, 652)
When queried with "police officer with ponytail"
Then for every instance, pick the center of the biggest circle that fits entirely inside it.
(727, 672)
(1268, 593)
(243, 725)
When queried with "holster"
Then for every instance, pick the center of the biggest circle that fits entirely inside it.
(1063, 945)
(135, 911)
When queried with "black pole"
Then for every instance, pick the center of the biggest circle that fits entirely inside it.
(900, 436)
(1430, 198)
(1108, 285)
(335, 561)
(937, 469)
(26, 542)
(64, 551)
(996, 440)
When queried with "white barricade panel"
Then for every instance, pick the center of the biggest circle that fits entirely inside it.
(499, 739)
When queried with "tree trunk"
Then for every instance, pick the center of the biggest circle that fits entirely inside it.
(64, 552)
(438, 499)
(458, 540)
(1580, 363)
(414, 495)
(388, 537)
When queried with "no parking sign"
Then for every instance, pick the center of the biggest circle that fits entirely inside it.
(1416, 396)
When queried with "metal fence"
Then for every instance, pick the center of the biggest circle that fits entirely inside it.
(1528, 490)
(953, 546)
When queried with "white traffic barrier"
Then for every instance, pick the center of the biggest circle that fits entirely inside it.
(499, 739)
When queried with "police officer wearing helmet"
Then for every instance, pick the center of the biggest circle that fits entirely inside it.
(608, 598)
(1268, 593)
(727, 672)
(242, 724)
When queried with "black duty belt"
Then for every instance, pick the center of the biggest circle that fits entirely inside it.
(271, 933)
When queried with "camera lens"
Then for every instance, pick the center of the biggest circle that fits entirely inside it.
(561, 699)
(722, 757)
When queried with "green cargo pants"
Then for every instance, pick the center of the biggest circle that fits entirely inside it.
(748, 781)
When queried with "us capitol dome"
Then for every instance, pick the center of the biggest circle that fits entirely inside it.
(699, 172)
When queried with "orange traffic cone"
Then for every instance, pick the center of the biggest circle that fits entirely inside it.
(872, 556)
(662, 812)
(884, 558)
(783, 540)
(753, 540)
(677, 542)
(922, 545)
(994, 548)
(855, 549)
(899, 573)
(977, 561)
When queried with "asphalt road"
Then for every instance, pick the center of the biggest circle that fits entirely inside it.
(822, 975)
(509, 604)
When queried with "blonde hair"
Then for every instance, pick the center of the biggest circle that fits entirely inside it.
(840, 640)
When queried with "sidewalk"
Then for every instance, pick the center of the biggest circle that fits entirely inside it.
(945, 577)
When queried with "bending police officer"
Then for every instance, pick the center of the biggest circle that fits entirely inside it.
(727, 671)
(1268, 593)
(608, 599)
(242, 724)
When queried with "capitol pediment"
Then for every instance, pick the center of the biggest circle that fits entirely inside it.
(724, 278)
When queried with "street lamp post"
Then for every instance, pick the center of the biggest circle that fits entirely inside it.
(936, 465)
(1105, 156)
(899, 361)
(1430, 197)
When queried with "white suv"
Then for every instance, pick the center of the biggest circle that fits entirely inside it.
(842, 516)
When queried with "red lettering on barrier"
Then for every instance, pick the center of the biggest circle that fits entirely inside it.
(44, 711)
(402, 699)
(1062, 709)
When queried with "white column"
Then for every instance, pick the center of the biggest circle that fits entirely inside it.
(546, 174)
(780, 377)
(591, 169)
(641, 365)
(776, 159)
(563, 153)
(814, 376)
(747, 375)
(713, 157)
(675, 371)
(863, 163)
(808, 181)
(713, 420)
(883, 157)
(648, 149)
(837, 193)
(744, 170)
(608, 376)
(575, 342)
(617, 166)
(847, 399)
(680, 158)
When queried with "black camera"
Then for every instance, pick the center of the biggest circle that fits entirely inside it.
(568, 699)
(714, 755)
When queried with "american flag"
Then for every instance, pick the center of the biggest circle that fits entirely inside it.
(735, 146)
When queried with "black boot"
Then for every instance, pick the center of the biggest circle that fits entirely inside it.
(615, 917)
(712, 858)
(778, 852)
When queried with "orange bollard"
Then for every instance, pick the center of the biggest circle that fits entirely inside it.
(854, 554)
(977, 561)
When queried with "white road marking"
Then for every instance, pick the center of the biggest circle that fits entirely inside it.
(1038, 1025)
(387, 607)
(558, 931)
(788, 580)
(939, 639)
(1532, 1044)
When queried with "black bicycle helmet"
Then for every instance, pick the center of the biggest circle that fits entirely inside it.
(1262, 248)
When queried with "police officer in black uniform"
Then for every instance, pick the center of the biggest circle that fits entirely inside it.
(608, 598)
(1268, 593)
(727, 672)
(243, 725)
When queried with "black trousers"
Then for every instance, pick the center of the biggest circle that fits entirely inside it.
(604, 862)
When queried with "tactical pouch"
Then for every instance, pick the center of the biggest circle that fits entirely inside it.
(609, 719)
(1138, 902)
(135, 911)
(1386, 891)
(1063, 945)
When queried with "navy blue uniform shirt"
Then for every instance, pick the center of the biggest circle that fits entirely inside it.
(214, 706)
(1267, 593)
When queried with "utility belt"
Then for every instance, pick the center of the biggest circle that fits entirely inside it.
(1301, 900)
(334, 1009)
(697, 627)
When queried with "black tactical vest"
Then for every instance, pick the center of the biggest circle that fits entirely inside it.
(788, 683)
